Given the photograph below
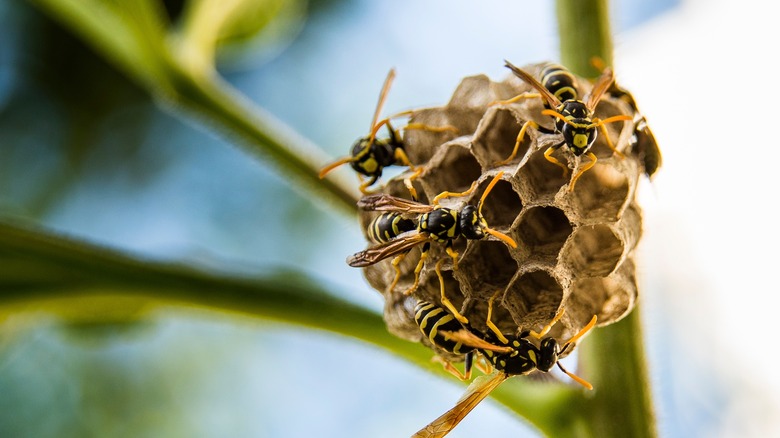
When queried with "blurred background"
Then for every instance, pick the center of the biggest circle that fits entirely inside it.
(85, 152)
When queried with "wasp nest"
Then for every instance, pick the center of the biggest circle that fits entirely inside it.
(574, 248)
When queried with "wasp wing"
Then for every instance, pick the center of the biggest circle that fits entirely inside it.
(470, 339)
(530, 80)
(599, 88)
(384, 202)
(380, 252)
(480, 388)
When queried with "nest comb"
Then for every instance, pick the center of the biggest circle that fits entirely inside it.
(575, 248)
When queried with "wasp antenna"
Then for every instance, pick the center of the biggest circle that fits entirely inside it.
(382, 97)
(326, 170)
(580, 334)
(501, 236)
(575, 377)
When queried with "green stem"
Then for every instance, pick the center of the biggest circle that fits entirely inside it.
(45, 271)
(261, 135)
(583, 28)
(614, 358)
(132, 36)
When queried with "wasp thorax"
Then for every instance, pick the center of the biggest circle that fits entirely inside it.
(575, 249)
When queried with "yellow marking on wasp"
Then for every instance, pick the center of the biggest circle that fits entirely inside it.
(369, 165)
(532, 356)
(581, 140)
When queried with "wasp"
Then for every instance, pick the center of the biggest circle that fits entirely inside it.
(434, 224)
(523, 358)
(642, 142)
(573, 117)
(370, 155)
(448, 330)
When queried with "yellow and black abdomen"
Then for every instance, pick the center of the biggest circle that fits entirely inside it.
(433, 320)
(388, 226)
(559, 81)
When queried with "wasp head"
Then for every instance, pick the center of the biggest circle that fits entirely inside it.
(472, 224)
(576, 126)
(369, 157)
(548, 354)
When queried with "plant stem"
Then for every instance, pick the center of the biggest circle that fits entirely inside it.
(261, 135)
(583, 29)
(81, 282)
(613, 357)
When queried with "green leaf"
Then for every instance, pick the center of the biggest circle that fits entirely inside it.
(135, 36)
(44, 272)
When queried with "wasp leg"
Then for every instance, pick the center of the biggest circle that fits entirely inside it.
(548, 156)
(420, 126)
(396, 261)
(601, 123)
(453, 254)
(426, 247)
(444, 195)
(519, 140)
(444, 300)
(584, 169)
(408, 182)
(515, 99)
(490, 323)
(450, 368)
(483, 365)
(547, 328)
(364, 185)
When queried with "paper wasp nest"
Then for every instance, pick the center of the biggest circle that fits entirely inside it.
(575, 248)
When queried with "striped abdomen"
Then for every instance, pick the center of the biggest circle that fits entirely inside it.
(432, 320)
(559, 81)
(388, 226)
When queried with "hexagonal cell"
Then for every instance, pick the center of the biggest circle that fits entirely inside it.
(592, 251)
(477, 315)
(533, 298)
(485, 256)
(543, 230)
(473, 92)
(502, 205)
(452, 170)
(496, 136)
(427, 129)
(541, 179)
(399, 317)
(600, 194)
(609, 298)
(631, 229)
(430, 288)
